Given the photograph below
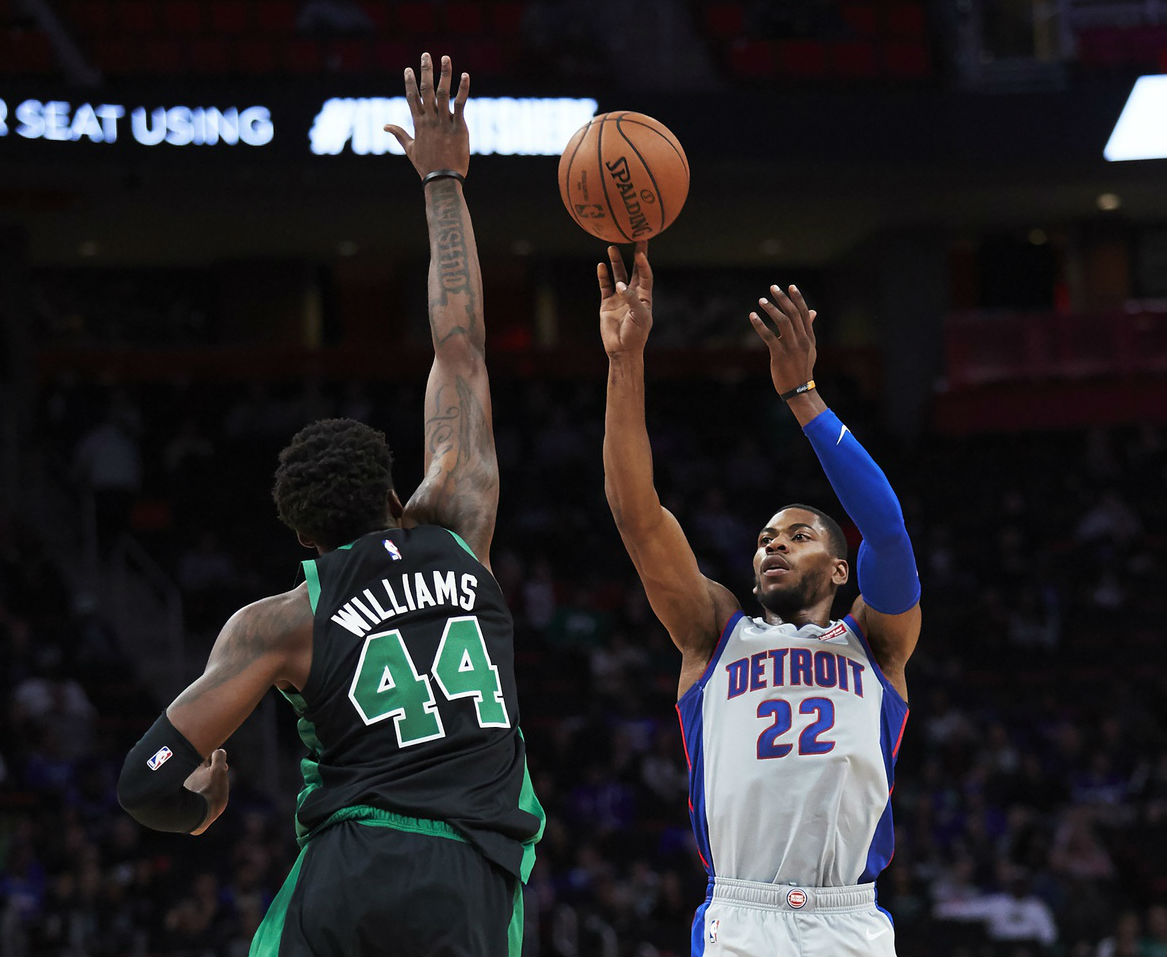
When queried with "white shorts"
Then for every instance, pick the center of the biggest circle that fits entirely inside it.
(750, 919)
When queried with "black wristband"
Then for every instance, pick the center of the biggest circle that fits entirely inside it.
(805, 387)
(442, 174)
(151, 786)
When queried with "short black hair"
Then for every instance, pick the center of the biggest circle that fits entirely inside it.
(836, 540)
(333, 481)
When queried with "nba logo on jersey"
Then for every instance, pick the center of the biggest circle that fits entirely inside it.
(161, 756)
(713, 928)
(796, 898)
(393, 550)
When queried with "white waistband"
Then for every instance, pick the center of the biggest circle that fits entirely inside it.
(792, 897)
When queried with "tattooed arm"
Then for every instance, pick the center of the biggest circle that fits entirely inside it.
(265, 643)
(460, 487)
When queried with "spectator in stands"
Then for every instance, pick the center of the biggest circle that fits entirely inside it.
(108, 464)
(1109, 520)
(1124, 942)
(56, 703)
(1154, 940)
(209, 577)
(1020, 729)
(1078, 852)
(1014, 915)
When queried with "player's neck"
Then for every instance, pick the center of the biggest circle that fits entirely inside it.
(815, 615)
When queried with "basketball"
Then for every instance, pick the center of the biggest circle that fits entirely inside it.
(623, 176)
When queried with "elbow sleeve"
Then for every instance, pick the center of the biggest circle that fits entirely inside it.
(151, 787)
(886, 564)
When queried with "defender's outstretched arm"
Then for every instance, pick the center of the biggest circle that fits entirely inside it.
(460, 487)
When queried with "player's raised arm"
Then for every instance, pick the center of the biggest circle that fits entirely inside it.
(460, 487)
(888, 608)
(692, 608)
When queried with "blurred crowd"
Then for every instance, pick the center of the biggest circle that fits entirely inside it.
(1031, 797)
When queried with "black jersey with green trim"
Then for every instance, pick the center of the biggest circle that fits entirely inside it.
(410, 703)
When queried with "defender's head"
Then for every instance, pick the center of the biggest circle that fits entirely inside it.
(334, 483)
(801, 559)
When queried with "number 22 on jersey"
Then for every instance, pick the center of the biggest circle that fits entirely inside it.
(387, 683)
(809, 741)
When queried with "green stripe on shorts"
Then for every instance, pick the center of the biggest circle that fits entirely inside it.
(266, 942)
(516, 926)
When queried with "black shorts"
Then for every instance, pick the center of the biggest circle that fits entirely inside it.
(360, 889)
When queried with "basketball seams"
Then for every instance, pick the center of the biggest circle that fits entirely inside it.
(667, 136)
(660, 200)
(566, 186)
(604, 179)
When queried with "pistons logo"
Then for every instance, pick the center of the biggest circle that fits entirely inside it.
(796, 898)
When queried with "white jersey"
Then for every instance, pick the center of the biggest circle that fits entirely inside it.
(791, 736)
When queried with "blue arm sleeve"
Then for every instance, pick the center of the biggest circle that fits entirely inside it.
(886, 565)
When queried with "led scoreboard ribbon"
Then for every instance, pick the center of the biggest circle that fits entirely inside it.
(500, 125)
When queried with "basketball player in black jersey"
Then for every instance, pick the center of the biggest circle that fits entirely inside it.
(417, 820)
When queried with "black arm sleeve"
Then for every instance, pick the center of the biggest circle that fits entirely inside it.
(151, 786)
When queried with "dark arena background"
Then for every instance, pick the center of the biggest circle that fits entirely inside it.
(205, 242)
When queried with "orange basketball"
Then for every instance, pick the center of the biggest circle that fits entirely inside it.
(623, 176)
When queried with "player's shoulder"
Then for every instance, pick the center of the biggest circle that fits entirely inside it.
(438, 541)
(899, 631)
(275, 621)
(726, 607)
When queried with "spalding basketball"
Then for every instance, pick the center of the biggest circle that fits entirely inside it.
(623, 176)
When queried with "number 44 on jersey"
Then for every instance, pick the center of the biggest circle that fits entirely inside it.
(387, 683)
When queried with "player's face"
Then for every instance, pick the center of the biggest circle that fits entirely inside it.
(793, 564)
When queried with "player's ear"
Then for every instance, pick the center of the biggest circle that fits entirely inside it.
(305, 540)
(841, 573)
(396, 509)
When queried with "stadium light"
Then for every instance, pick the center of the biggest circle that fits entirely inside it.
(1141, 130)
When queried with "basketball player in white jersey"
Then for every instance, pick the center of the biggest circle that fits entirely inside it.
(791, 721)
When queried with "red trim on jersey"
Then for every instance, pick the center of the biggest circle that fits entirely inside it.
(887, 685)
(684, 743)
(896, 749)
(689, 765)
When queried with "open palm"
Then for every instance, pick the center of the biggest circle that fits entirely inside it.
(625, 304)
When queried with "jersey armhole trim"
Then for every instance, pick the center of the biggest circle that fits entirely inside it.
(312, 579)
(458, 538)
(701, 682)
(887, 685)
